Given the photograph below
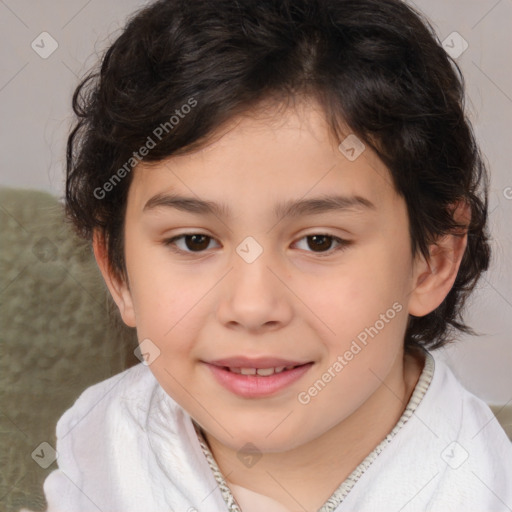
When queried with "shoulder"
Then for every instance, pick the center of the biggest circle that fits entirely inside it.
(450, 453)
(452, 408)
(127, 390)
(127, 445)
(464, 409)
(474, 452)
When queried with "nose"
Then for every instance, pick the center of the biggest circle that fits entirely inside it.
(253, 298)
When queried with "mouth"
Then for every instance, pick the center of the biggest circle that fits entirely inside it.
(251, 380)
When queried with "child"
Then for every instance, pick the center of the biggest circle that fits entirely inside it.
(286, 200)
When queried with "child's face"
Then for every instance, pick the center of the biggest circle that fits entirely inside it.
(300, 300)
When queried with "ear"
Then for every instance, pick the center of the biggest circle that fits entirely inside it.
(433, 278)
(117, 286)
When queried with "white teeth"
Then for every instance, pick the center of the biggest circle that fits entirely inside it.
(264, 372)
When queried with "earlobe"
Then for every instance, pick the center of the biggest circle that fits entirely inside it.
(433, 278)
(117, 285)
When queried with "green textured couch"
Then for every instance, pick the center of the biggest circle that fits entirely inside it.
(58, 336)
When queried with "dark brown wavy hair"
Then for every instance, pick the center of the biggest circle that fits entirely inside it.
(375, 66)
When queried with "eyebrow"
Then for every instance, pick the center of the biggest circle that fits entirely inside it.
(290, 208)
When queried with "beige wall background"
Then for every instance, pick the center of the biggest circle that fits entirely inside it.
(35, 113)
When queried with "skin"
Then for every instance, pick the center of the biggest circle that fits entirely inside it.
(291, 302)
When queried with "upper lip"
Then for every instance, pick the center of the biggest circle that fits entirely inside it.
(259, 362)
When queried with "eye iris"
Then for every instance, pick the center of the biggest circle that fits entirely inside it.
(319, 242)
(197, 242)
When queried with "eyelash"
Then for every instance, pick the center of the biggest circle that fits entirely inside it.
(342, 244)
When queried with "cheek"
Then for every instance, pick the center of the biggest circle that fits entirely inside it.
(362, 308)
(354, 294)
(170, 310)
(166, 299)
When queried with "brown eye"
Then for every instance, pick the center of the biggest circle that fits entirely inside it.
(320, 243)
(197, 242)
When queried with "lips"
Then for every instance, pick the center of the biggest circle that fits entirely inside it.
(257, 377)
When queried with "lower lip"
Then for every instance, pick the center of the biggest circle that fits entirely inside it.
(256, 386)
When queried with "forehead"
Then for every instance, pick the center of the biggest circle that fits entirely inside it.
(262, 158)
